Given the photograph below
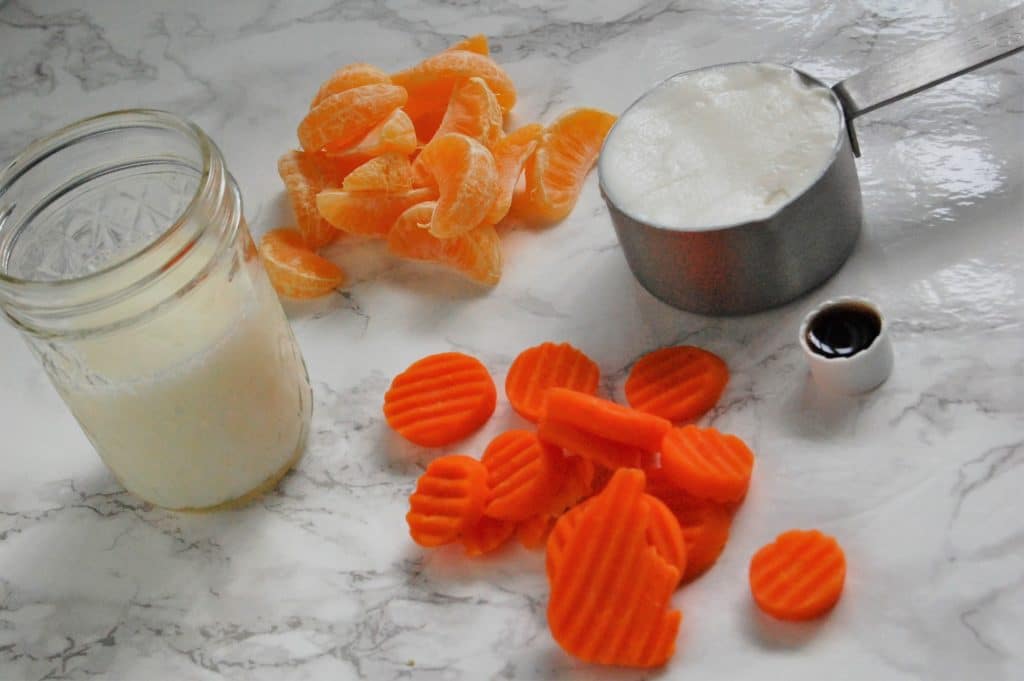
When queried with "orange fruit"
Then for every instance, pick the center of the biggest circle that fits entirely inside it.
(348, 77)
(436, 76)
(395, 133)
(306, 174)
(555, 173)
(467, 183)
(510, 155)
(294, 269)
(349, 115)
(390, 172)
(368, 213)
(476, 254)
(474, 43)
(473, 111)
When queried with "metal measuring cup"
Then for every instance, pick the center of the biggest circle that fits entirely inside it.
(750, 266)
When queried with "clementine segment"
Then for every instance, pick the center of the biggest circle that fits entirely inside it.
(390, 173)
(304, 175)
(347, 116)
(474, 43)
(510, 155)
(348, 77)
(436, 76)
(556, 171)
(473, 111)
(467, 182)
(294, 269)
(394, 134)
(368, 213)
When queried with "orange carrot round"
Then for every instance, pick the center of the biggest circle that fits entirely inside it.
(679, 383)
(706, 463)
(486, 535)
(532, 533)
(613, 606)
(440, 399)
(799, 576)
(588, 446)
(523, 473)
(449, 498)
(606, 419)
(548, 365)
(665, 534)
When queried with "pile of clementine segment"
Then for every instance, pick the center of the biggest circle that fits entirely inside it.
(421, 159)
(628, 503)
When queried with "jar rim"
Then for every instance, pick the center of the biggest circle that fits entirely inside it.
(42, 148)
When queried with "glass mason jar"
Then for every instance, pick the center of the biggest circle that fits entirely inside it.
(126, 263)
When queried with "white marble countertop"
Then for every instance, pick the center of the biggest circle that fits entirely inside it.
(922, 481)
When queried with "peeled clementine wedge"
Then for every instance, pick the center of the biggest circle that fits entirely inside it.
(510, 155)
(294, 269)
(473, 110)
(348, 77)
(476, 254)
(386, 173)
(368, 213)
(394, 134)
(349, 115)
(555, 172)
(436, 76)
(467, 182)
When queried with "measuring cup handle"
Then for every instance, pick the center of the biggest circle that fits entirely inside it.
(983, 43)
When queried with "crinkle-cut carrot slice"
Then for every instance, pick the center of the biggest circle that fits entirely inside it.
(606, 419)
(613, 606)
(440, 399)
(523, 473)
(294, 269)
(449, 498)
(532, 533)
(467, 182)
(368, 213)
(474, 43)
(706, 463)
(556, 171)
(475, 254)
(665, 534)
(595, 448)
(799, 576)
(473, 111)
(304, 175)
(436, 76)
(705, 527)
(395, 133)
(347, 116)
(510, 155)
(486, 535)
(577, 484)
(548, 365)
(679, 383)
(348, 77)
(391, 173)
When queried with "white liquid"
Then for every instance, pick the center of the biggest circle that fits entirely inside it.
(201, 404)
(719, 146)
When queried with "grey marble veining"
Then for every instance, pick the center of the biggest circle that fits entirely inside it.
(921, 480)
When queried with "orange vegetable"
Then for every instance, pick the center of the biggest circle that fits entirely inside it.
(613, 606)
(559, 537)
(349, 115)
(706, 463)
(577, 484)
(679, 383)
(606, 419)
(440, 399)
(532, 533)
(799, 576)
(556, 171)
(665, 534)
(545, 366)
(294, 269)
(348, 77)
(588, 446)
(449, 498)
(463, 171)
(487, 534)
(523, 473)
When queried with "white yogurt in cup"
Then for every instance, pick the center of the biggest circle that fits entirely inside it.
(720, 146)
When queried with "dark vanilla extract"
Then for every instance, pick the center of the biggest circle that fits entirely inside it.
(843, 330)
